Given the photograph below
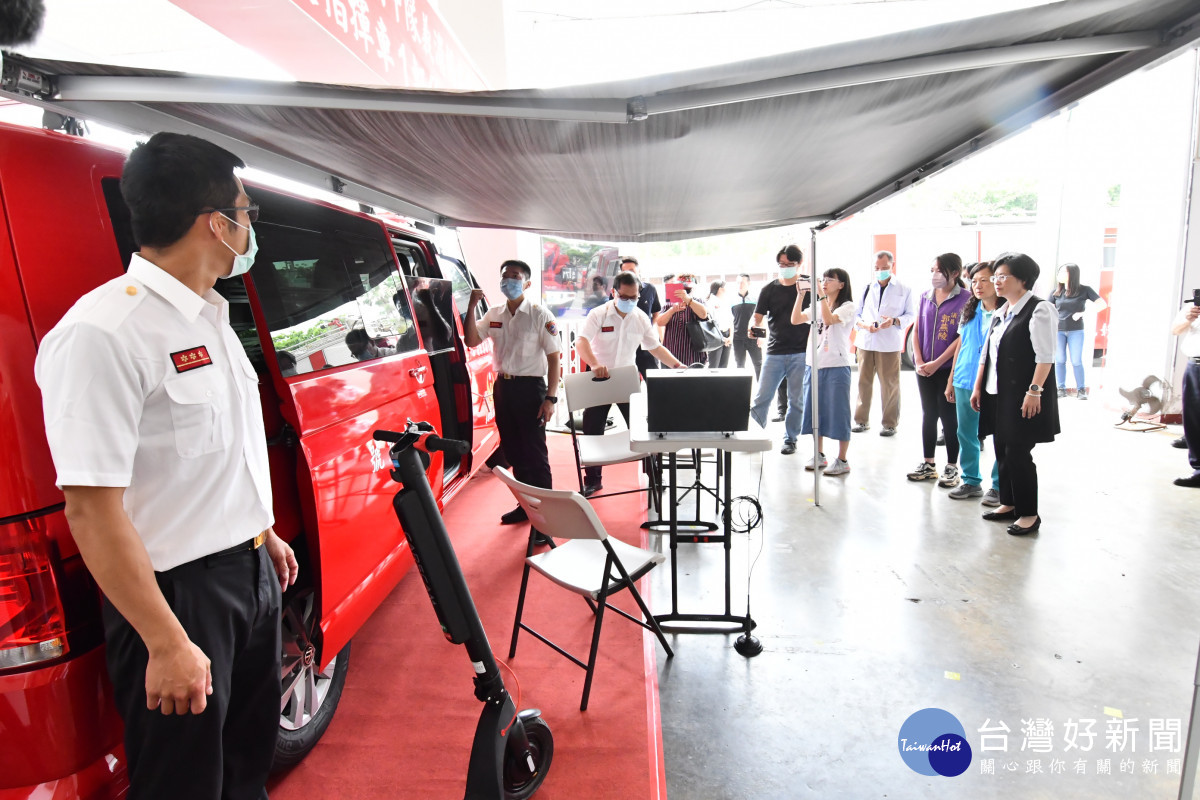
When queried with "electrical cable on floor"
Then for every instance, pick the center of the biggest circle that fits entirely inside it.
(749, 516)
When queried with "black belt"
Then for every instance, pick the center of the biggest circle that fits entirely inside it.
(507, 377)
(249, 544)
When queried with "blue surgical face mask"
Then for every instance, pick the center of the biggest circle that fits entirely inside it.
(883, 274)
(626, 306)
(512, 288)
(787, 273)
(243, 262)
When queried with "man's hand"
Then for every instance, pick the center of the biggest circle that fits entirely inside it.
(600, 371)
(886, 323)
(976, 397)
(1193, 313)
(283, 558)
(546, 412)
(178, 678)
(1030, 406)
(476, 296)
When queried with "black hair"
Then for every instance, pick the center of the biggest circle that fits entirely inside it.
(716, 286)
(1020, 266)
(286, 359)
(521, 265)
(846, 295)
(972, 306)
(628, 260)
(793, 253)
(172, 179)
(357, 338)
(746, 275)
(1072, 281)
(950, 265)
(627, 278)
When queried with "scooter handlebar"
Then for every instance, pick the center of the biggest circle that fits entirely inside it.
(387, 436)
(429, 442)
(455, 446)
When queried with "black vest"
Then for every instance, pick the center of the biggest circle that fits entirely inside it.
(1014, 372)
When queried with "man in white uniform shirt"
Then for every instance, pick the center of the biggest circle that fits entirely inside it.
(524, 349)
(610, 337)
(1187, 327)
(153, 419)
(884, 310)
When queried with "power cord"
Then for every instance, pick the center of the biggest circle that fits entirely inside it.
(745, 514)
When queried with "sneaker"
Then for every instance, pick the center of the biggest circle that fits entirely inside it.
(812, 464)
(991, 498)
(949, 477)
(1062, 391)
(888, 432)
(839, 467)
(1082, 393)
(924, 472)
(860, 428)
(966, 490)
(788, 448)
(777, 418)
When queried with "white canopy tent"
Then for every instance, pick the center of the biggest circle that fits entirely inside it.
(809, 136)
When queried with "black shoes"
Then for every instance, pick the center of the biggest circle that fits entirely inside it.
(590, 489)
(1191, 480)
(1017, 530)
(513, 517)
(1180, 443)
(1001, 516)
(540, 538)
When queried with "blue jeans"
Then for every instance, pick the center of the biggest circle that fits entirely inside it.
(969, 443)
(774, 369)
(1072, 340)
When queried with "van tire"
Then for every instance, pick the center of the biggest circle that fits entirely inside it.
(299, 731)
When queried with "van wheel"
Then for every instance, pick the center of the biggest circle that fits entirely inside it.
(907, 358)
(310, 694)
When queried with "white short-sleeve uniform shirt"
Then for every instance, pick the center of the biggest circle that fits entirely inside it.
(146, 386)
(520, 341)
(614, 339)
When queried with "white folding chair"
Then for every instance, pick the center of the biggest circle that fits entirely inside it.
(584, 390)
(591, 564)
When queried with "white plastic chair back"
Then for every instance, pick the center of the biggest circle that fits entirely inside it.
(584, 391)
(560, 513)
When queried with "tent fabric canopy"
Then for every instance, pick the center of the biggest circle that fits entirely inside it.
(808, 136)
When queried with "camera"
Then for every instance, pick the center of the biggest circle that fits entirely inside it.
(1195, 298)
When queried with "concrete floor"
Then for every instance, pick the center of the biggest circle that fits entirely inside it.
(890, 598)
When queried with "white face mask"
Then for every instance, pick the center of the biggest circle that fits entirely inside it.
(244, 261)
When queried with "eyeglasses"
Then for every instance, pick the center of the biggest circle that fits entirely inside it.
(251, 211)
(1000, 278)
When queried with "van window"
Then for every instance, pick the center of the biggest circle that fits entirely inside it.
(460, 280)
(432, 303)
(330, 297)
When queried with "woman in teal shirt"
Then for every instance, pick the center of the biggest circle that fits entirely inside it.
(972, 334)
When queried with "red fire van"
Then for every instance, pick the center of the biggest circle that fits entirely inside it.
(321, 275)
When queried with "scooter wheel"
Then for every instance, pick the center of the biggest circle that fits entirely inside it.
(519, 784)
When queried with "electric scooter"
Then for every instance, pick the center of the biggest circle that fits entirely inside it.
(512, 751)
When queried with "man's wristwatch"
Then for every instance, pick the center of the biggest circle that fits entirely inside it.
(551, 399)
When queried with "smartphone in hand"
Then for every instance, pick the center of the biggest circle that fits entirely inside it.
(760, 333)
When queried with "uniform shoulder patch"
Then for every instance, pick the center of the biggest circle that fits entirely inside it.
(551, 328)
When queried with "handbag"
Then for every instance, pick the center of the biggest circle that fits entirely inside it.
(705, 334)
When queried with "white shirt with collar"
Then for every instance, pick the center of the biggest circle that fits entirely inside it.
(521, 340)
(1043, 328)
(876, 302)
(615, 339)
(146, 386)
(1189, 340)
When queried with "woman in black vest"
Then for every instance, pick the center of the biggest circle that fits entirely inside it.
(1017, 363)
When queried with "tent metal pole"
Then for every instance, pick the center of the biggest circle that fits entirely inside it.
(814, 347)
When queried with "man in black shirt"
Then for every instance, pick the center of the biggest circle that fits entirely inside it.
(647, 302)
(787, 345)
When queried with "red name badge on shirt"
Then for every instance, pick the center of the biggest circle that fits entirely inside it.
(607, 329)
(496, 325)
(185, 360)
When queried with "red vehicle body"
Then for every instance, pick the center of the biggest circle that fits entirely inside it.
(320, 272)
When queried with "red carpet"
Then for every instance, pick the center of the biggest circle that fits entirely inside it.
(407, 716)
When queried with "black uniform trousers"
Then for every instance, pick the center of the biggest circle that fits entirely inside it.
(1191, 412)
(522, 434)
(743, 346)
(229, 606)
(595, 420)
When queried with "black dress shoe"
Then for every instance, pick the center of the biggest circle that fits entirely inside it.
(513, 517)
(1017, 530)
(1193, 481)
(590, 489)
(1181, 443)
(1000, 516)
